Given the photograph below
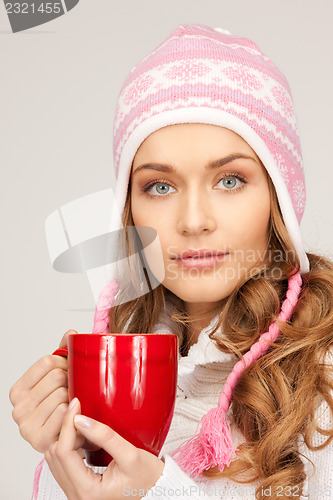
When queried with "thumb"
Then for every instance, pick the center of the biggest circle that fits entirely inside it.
(100, 434)
(63, 341)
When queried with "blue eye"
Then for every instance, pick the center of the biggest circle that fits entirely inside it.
(161, 189)
(230, 182)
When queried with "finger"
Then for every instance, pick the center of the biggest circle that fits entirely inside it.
(52, 426)
(121, 450)
(35, 374)
(68, 434)
(48, 406)
(41, 434)
(66, 456)
(51, 421)
(55, 380)
(64, 340)
(59, 472)
(44, 397)
(76, 482)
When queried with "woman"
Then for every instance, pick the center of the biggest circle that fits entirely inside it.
(207, 153)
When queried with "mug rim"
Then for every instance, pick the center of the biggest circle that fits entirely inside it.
(122, 335)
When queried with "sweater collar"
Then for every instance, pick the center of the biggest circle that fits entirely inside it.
(203, 351)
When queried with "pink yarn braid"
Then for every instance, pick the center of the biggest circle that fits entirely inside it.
(213, 444)
(104, 304)
(36, 480)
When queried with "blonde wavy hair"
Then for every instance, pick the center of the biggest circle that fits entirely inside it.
(275, 400)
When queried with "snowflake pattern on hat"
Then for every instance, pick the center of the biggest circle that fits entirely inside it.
(198, 66)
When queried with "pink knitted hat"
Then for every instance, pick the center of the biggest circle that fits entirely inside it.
(204, 75)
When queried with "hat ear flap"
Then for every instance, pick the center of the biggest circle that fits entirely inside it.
(104, 304)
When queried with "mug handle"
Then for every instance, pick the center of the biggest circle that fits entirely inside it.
(61, 351)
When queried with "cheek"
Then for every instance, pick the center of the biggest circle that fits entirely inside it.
(258, 220)
(250, 222)
(141, 215)
(150, 219)
(138, 213)
(144, 216)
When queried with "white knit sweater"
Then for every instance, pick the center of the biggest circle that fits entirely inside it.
(200, 380)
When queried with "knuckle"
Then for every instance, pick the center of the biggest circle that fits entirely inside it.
(133, 460)
(105, 434)
(47, 362)
(53, 448)
(16, 414)
(49, 451)
(62, 408)
(62, 394)
(59, 376)
(135, 455)
(47, 457)
(24, 430)
(13, 394)
(59, 452)
(42, 441)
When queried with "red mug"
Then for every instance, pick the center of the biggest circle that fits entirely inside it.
(126, 381)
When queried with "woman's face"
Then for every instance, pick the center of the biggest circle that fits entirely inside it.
(206, 193)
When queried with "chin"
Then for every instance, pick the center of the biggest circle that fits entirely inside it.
(200, 291)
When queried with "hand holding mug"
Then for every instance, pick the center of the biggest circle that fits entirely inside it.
(132, 472)
(40, 399)
(126, 381)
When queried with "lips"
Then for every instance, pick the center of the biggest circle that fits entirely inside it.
(199, 253)
(200, 258)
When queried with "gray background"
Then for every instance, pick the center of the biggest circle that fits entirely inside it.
(59, 85)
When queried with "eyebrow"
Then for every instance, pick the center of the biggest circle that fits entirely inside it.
(161, 167)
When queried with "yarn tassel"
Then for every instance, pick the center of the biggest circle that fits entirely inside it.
(211, 446)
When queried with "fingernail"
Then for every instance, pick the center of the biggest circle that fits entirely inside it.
(72, 404)
(82, 421)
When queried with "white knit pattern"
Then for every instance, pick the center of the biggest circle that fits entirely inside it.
(256, 84)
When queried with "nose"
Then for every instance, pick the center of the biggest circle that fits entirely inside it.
(195, 214)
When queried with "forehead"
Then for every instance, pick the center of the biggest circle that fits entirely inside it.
(191, 138)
